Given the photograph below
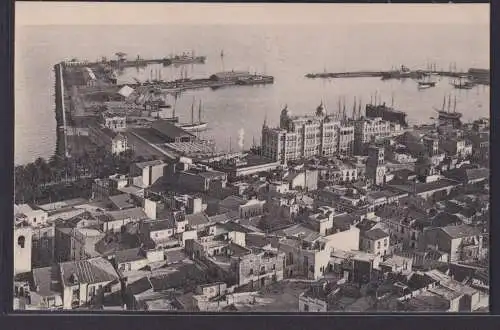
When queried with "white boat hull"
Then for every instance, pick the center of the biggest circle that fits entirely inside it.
(193, 127)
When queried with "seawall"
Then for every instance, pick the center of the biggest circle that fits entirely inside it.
(61, 142)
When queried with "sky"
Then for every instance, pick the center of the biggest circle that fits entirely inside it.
(93, 13)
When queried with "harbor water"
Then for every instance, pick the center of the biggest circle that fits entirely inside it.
(235, 114)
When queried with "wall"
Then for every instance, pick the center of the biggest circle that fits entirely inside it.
(314, 305)
(251, 209)
(243, 171)
(319, 261)
(43, 245)
(189, 235)
(252, 268)
(150, 208)
(345, 240)
(85, 291)
(160, 235)
(133, 265)
(192, 181)
(115, 225)
(204, 305)
(237, 238)
(212, 290)
(22, 254)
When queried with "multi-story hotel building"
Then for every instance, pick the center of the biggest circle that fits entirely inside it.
(367, 129)
(307, 136)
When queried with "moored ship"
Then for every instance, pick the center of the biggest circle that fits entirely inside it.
(386, 113)
(448, 117)
(194, 126)
(185, 58)
(403, 72)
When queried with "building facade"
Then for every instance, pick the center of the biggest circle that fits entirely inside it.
(367, 129)
(300, 137)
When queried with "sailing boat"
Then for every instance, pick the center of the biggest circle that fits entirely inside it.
(195, 126)
(448, 116)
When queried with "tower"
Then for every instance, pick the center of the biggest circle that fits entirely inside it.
(375, 165)
(22, 249)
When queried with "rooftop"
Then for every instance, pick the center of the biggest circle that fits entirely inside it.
(375, 234)
(129, 255)
(168, 129)
(459, 231)
(353, 254)
(47, 281)
(90, 271)
(160, 225)
(232, 202)
(134, 213)
(305, 233)
(122, 201)
(197, 219)
(149, 163)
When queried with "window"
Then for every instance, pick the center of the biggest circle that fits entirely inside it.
(385, 242)
(107, 289)
(34, 219)
(378, 245)
(306, 308)
(251, 271)
(20, 241)
(274, 266)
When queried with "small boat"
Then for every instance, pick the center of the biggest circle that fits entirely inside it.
(463, 84)
(426, 84)
(194, 126)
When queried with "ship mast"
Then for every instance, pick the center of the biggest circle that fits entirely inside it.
(449, 102)
(343, 110)
(338, 111)
(444, 103)
(192, 112)
(175, 103)
(354, 109)
(455, 104)
(222, 59)
(359, 109)
(199, 112)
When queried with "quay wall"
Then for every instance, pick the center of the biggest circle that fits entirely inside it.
(61, 142)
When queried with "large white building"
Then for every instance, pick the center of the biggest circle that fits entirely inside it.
(307, 136)
(368, 129)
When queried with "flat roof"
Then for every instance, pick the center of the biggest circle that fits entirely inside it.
(459, 231)
(168, 129)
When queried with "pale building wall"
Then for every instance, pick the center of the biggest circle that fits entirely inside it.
(23, 241)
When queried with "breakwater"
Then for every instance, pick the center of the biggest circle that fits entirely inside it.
(479, 76)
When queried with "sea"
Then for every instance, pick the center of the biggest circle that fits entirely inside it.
(235, 114)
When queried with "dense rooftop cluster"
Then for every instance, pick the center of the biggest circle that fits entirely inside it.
(395, 222)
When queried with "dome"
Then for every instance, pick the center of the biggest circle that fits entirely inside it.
(320, 110)
(285, 112)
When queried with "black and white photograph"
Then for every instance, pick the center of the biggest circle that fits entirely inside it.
(225, 157)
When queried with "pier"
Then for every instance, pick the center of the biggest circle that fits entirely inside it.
(61, 138)
(214, 81)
